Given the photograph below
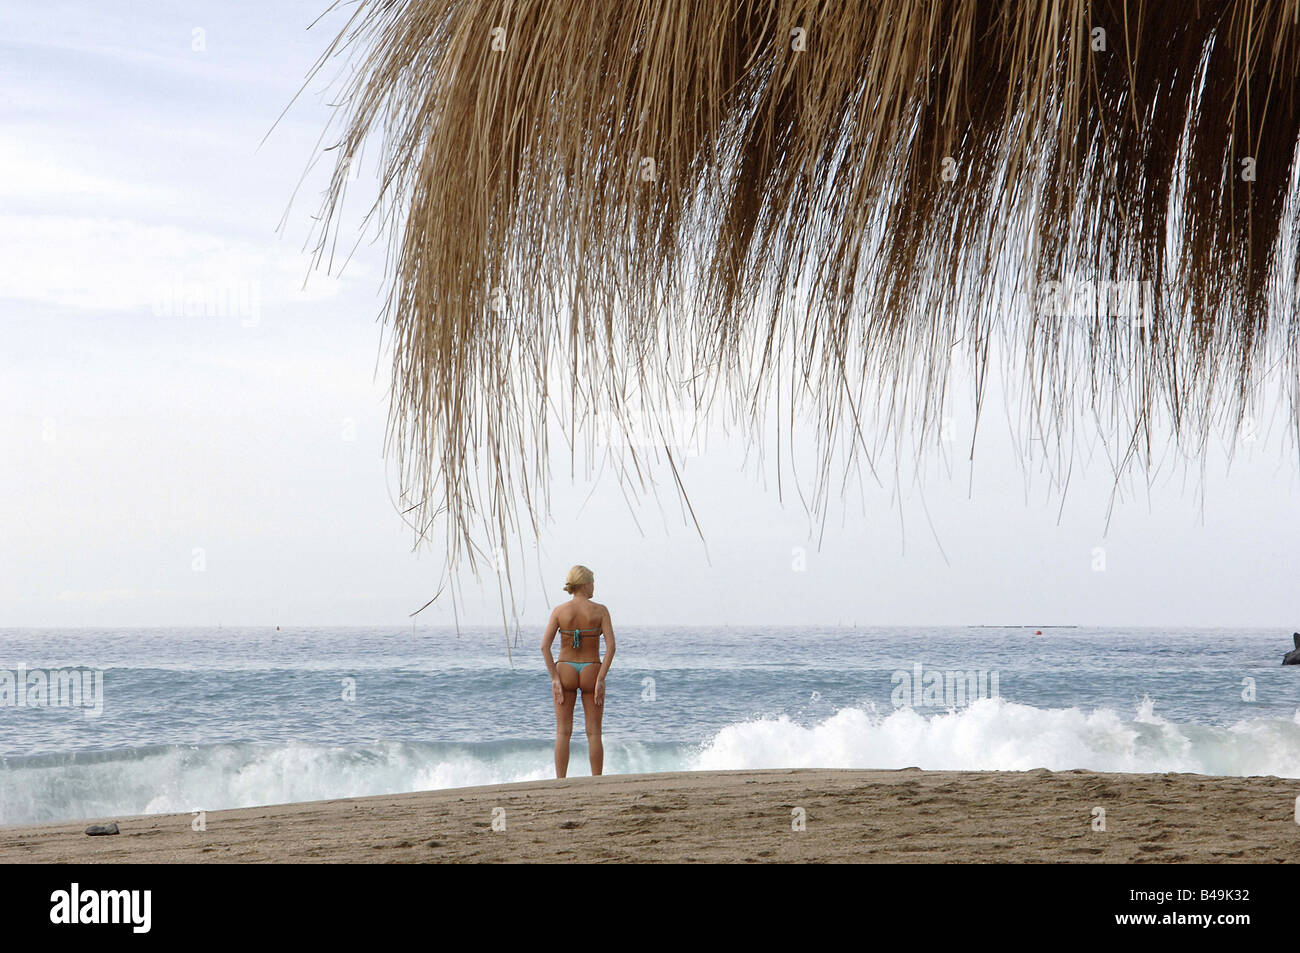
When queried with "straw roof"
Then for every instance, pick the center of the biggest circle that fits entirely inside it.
(608, 217)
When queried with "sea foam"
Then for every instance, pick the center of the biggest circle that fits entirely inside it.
(997, 735)
(990, 734)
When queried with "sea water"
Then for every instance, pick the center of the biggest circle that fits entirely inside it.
(211, 719)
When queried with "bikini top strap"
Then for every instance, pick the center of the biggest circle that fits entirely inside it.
(577, 635)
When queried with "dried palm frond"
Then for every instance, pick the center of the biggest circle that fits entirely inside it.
(611, 213)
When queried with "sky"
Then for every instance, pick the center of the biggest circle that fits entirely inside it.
(171, 466)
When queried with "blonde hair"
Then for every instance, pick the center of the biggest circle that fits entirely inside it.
(578, 577)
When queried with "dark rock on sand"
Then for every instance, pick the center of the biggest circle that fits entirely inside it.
(98, 830)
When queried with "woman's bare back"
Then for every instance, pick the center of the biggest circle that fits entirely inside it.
(588, 618)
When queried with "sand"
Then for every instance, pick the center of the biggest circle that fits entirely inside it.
(729, 816)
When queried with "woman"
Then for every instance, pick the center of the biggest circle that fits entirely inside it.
(580, 623)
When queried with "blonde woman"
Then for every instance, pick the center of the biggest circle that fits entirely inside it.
(580, 624)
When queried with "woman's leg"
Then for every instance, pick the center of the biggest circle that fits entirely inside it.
(592, 714)
(564, 717)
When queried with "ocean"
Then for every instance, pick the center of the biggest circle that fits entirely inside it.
(212, 719)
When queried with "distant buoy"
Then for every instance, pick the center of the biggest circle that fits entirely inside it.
(1039, 632)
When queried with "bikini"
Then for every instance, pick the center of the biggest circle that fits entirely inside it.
(577, 644)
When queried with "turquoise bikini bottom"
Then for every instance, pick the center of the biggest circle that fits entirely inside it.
(578, 665)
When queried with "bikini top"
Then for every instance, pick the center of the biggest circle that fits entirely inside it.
(577, 635)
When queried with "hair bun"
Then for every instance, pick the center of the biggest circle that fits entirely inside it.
(578, 576)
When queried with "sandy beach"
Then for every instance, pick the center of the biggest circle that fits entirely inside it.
(731, 816)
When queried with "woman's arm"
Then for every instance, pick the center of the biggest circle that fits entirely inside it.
(607, 627)
(552, 626)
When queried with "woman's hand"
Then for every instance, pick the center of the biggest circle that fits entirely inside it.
(557, 690)
(600, 691)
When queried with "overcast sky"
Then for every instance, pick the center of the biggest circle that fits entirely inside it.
(166, 469)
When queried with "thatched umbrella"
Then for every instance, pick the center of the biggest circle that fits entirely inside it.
(607, 211)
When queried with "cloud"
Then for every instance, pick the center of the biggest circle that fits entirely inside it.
(43, 181)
